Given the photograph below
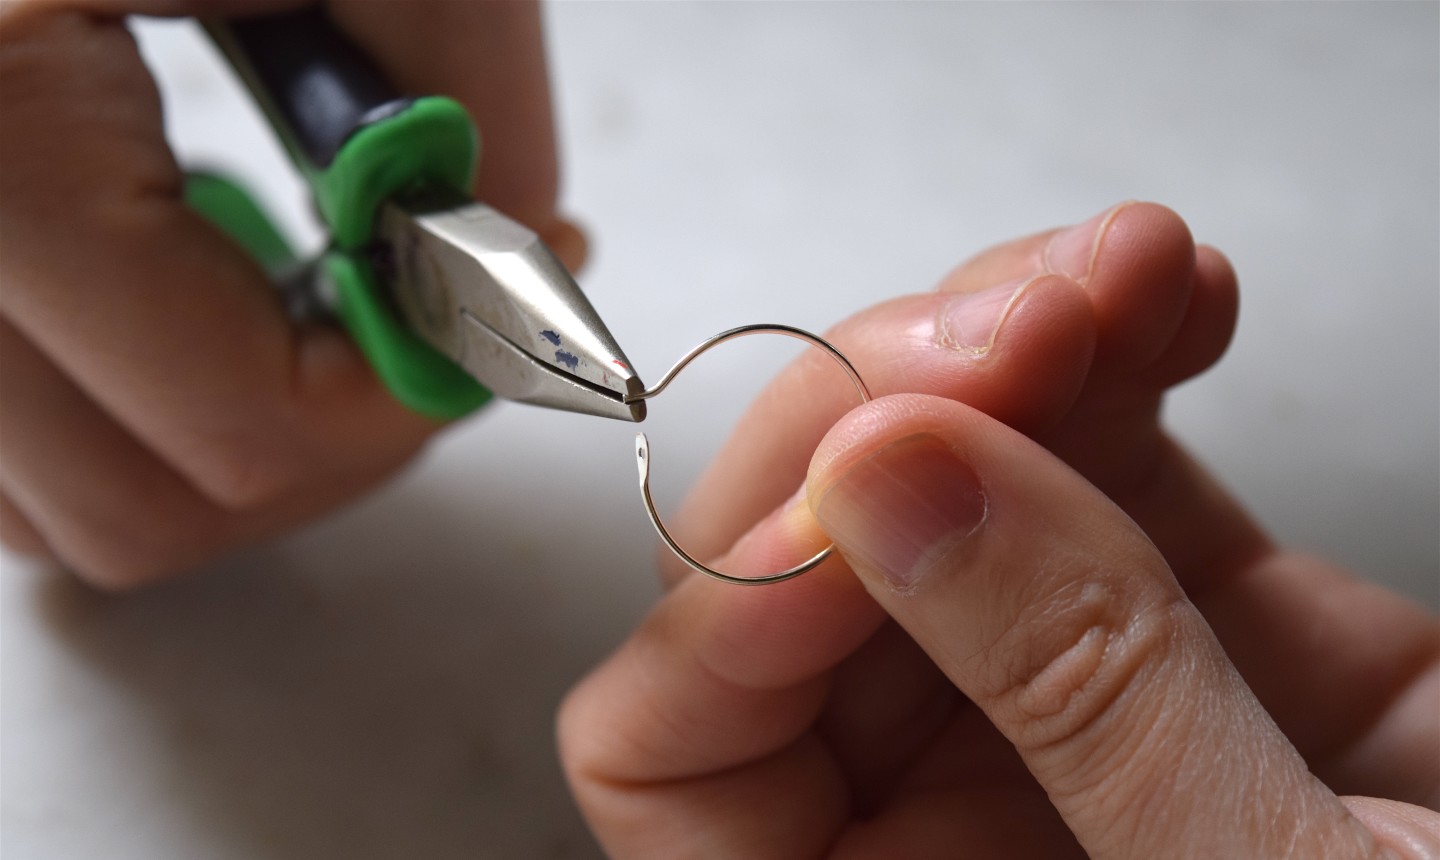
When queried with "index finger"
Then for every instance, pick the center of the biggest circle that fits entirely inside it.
(698, 730)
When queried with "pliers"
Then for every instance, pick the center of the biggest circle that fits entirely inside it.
(449, 300)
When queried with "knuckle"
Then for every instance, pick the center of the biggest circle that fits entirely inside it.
(18, 19)
(568, 715)
(257, 464)
(1078, 662)
(241, 479)
(279, 456)
(575, 737)
(1097, 695)
(22, 543)
(123, 554)
(245, 478)
(19, 535)
(74, 76)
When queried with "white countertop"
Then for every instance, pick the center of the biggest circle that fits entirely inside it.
(381, 684)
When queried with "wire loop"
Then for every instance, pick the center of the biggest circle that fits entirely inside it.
(643, 457)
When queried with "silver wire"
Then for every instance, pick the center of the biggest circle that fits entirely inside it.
(643, 457)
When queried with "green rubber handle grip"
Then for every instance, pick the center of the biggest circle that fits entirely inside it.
(235, 212)
(430, 142)
(356, 143)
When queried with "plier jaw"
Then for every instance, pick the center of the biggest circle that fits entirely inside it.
(485, 291)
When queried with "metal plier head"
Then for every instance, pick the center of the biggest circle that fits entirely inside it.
(484, 290)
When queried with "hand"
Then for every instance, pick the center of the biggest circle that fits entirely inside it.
(159, 408)
(1020, 655)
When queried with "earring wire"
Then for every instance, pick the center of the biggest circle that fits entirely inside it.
(643, 456)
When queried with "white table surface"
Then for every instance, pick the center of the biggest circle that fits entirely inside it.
(381, 684)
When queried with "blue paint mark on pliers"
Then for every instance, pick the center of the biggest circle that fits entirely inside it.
(565, 358)
(552, 337)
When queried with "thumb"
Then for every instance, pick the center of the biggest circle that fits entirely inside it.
(1052, 611)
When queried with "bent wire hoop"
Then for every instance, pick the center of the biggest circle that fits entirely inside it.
(642, 447)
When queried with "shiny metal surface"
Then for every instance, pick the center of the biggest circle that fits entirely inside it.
(643, 457)
(485, 291)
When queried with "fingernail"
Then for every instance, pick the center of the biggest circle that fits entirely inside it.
(898, 510)
(1072, 251)
(969, 321)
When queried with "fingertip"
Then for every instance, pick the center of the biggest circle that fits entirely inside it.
(327, 359)
(1208, 326)
(1158, 229)
(1212, 265)
(569, 242)
(1047, 343)
(1412, 832)
(19, 534)
(885, 421)
(859, 433)
(1140, 282)
(335, 383)
(1219, 285)
(1019, 352)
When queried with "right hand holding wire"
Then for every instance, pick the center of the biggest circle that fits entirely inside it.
(1085, 651)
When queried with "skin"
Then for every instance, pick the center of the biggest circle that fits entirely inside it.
(141, 342)
(1050, 633)
(1088, 648)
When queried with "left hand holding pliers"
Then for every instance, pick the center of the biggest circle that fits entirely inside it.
(159, 405)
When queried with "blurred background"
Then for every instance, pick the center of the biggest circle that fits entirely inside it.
(381, 684)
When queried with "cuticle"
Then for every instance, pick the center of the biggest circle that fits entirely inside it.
(1095, 242)
(1005, 314)
(1100, 233)
(945, 340)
